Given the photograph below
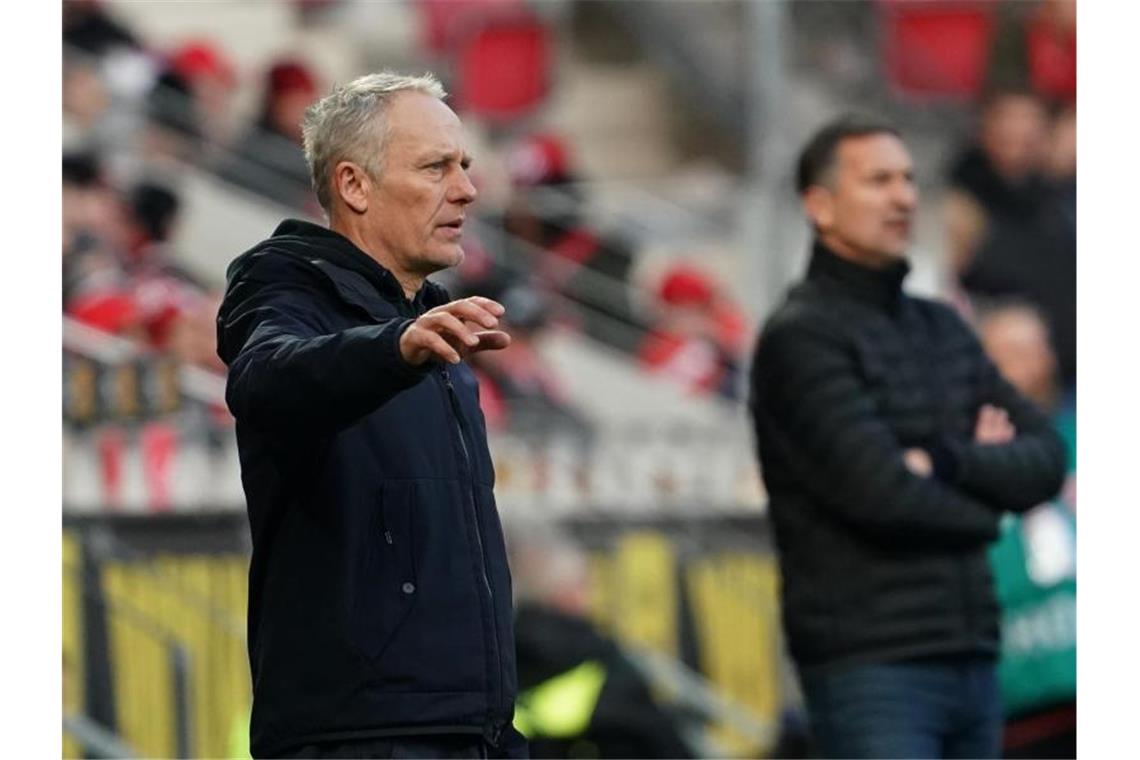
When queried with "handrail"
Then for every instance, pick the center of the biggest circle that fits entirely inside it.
(95, 738)
(694, 692)
(198, 384)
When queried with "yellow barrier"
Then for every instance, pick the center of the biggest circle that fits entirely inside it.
(198, 603)
(74, 669)
(645, 566)
(736, 616)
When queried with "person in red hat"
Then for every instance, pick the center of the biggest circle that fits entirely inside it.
(191, 99)
(698, 337)
(269, 159)
(588, 267)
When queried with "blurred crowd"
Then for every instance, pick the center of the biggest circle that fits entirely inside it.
(1011, 214)
(135, 113)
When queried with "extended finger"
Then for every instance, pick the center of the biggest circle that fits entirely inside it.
(435, 343)
(493, 307)
(492, 340)
(449, 323)
(469, 310)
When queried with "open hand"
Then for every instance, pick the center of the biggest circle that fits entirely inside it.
(454, 330)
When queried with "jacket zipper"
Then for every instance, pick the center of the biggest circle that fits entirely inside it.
(453, 398)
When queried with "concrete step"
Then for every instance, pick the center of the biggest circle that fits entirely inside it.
(616, 118)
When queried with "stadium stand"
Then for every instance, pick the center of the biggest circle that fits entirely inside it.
(616, 200)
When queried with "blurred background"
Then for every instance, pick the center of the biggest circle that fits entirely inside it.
(638, 220)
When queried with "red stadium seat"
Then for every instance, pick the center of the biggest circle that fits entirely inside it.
(936, 50)
(502, 65)
(441, 21)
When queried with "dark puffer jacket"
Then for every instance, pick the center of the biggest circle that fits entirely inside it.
(879, 564)
(379, 593)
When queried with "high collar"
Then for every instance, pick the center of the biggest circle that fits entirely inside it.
(878, 287)
(342, 252)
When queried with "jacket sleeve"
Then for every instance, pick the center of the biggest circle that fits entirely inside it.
(287, 373)
(812, 407)
(1018, 475)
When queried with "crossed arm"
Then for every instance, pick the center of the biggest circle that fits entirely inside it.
(811, 406)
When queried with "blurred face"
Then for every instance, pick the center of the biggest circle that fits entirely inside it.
(287, 110)
(416, 207)
(1018, 344)
(84, 96)
(1014, 135)
(865, 209)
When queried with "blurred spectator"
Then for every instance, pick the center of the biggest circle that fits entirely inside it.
(269, 158)
(85, 101)
(1035, 559)
(518, 390)
(88, 27)
(119, 276)
(1016, 337)
(1038, 50)
(96, 291)
(1012, 232)
(588, 267)
(697, 339)
(580, 695)
(190, 101)
(173, 305)
(91, 207)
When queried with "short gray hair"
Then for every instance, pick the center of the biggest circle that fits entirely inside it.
(343, 125)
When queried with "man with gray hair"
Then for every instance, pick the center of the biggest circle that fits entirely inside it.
(380, 617)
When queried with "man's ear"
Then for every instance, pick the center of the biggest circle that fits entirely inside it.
(819, 206)
(352, 184)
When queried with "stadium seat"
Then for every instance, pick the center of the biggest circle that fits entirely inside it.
(935, 50)
(441, 21)
(502, 65)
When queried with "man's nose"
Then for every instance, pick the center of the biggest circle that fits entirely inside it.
(462, 190)
(906, 196)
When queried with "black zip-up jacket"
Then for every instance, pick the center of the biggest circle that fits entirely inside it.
(877, 563)
(379, 593)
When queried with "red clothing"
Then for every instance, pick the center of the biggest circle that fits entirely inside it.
(1052, 61)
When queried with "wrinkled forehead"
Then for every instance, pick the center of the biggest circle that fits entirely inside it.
(419, 123)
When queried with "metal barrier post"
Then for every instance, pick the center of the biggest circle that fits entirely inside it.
(180, 669)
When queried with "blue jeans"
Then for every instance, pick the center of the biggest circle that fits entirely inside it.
(930, 708)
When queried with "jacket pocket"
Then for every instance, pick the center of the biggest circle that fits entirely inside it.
(386, 575)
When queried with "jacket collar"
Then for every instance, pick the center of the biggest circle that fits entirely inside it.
(878, 287)
(357, 276)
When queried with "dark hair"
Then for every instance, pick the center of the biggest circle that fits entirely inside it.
(154, 208)
(818, 156)
(986, 308)
(81, 169)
